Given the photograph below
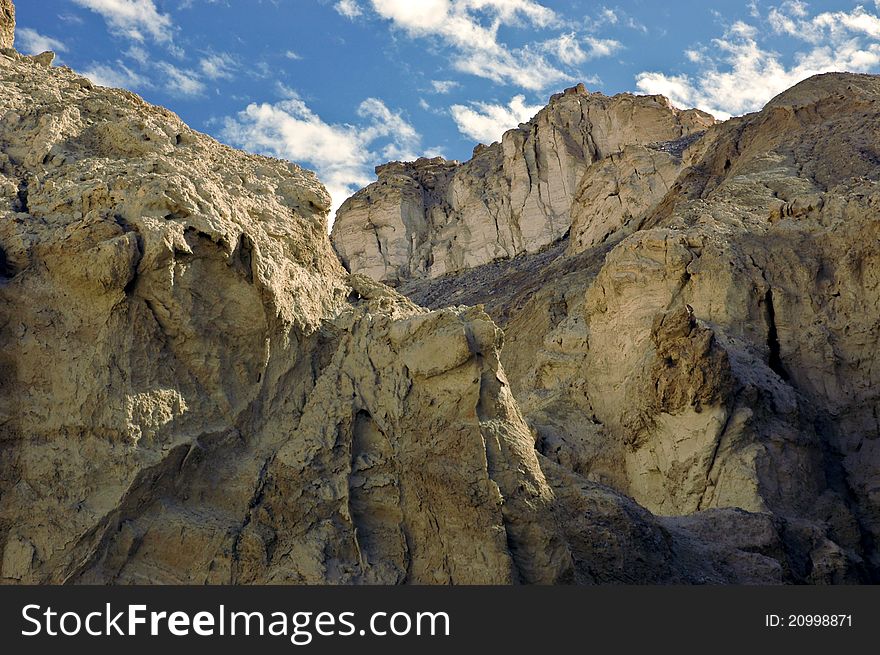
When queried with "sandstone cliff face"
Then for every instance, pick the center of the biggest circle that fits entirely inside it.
(716, 348)
(433, 217)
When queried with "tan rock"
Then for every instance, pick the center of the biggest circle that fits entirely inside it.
(432, 217)
(723, 354)
(193, 390)
(7, 23)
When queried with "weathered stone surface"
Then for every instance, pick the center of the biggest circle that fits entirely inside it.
(724, 354)
(7, 23)
(432, 217)
(193, 389)
(616, 193)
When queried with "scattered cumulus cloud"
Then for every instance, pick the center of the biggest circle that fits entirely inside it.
(135, 19)
(32, 42)
(738, 74)
(486, 122)
(343, 155)
(290, 54)
(470, 28)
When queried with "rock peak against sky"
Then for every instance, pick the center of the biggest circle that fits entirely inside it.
(376, 80)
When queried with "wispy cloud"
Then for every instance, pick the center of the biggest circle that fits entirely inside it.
(738, 74)
(470, 28)
(444, 86)
(117, 75)
(574, 50)
(32, 42)
(218, 66)
(181, 82)
(348, 8)
(342, 154)
(135, 19)
(486, 122)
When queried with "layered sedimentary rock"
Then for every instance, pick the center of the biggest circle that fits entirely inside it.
(718, 348)
(432, 217)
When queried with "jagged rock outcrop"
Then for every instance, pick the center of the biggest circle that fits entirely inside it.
(193, 389)
(617, 193)
(432, 217)
(7, 23)
(718, 348)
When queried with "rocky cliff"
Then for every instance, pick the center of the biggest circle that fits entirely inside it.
(7, 23)
(194, 390)
(432, 217)
(710, 339)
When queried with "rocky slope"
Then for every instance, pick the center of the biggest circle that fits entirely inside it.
(432, 217)
(716, 345)
(193, 389)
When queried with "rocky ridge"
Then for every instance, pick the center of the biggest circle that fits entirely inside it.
(720, 349)
(432, 217)
(194, 390)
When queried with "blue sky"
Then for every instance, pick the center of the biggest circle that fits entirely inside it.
(343, 85)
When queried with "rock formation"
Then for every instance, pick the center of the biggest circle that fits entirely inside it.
(715, 345)
(433, 217)
(194, 390)
(7, 23)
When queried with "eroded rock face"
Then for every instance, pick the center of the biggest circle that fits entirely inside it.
(712, 350)
(7, 23)
(194, 390)
(432, 217)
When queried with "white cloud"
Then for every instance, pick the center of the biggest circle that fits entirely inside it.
(343, 155)
(738, 75)
(135, 19)
(181, 82)
(118, 76)
(140, 55)
(348, 8)
(486, 122)
(470, 28)
(601, 47)
(569, 48)
(444, 86)
(290, 54)
(32, 42)
(218, 67)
